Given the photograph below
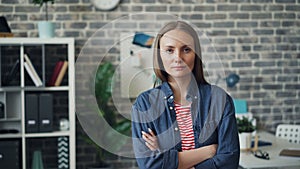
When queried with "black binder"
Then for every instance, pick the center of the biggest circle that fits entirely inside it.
(31, 113)
(10, 154)
(2, 110)
(45, 112)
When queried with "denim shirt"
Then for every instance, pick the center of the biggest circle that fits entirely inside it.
(213, 123)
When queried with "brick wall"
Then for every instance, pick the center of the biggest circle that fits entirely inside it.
(257, 39)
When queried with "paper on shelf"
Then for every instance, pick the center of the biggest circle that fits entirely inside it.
(30, 72)
(32, 69)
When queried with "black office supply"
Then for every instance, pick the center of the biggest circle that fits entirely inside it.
(261, 143)
(3, 25)
(10, 154)
(45, 112)
(261, 154)
(9, 131)
(290, 152)
(31, 113)
(2, 109)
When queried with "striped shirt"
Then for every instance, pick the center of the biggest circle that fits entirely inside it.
(185, 124)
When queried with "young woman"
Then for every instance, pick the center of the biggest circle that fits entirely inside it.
(184, 122)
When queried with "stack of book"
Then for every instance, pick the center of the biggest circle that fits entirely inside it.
(56, 78)
(58, 73)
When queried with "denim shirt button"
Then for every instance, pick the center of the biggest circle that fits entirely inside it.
(170, 99)
(195, 97)
(171, 108)
(176, 129)
(165, 97)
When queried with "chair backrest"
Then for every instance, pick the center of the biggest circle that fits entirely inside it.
(289, 132)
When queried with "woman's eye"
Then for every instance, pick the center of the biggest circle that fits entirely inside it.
(169, 51)
(186, 50)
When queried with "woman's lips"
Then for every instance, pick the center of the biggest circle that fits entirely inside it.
(178, 67)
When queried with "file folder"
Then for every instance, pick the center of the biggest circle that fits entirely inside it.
(45, 112)
(31, 113)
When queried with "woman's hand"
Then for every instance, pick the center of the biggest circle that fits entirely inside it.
(194, 156)
(150, 140)
(189, 158)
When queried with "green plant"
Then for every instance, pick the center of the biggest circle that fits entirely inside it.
(41, 3)
(103, 89)
(103, 93)
(245, 124)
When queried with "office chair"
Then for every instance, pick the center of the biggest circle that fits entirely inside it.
(289, 132)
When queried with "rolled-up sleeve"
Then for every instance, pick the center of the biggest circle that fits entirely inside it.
(228, 151)
(147, 159)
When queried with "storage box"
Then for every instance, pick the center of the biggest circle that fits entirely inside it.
(10, 156)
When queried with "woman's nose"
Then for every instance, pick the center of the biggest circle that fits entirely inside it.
(177, 54)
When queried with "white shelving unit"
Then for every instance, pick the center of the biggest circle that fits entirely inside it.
(13, 96)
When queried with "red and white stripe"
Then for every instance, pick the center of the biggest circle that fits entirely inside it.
(185, 124)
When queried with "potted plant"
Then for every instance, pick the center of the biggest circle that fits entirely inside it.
(46, 28)
(103, 93)
(245, 129)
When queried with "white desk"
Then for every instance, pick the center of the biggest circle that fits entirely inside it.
(248, 160)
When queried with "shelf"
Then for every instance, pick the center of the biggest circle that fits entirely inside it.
(36, 41)
(58, 88)
(10, 89)
(32, 88)
(8, 136)
(52, 134)
(9, 119)
(26, 107)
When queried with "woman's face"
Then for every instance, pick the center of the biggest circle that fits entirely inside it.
(177, 53)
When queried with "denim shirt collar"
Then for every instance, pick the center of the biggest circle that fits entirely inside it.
(165, 87)
(193, 96)
(193, 91)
